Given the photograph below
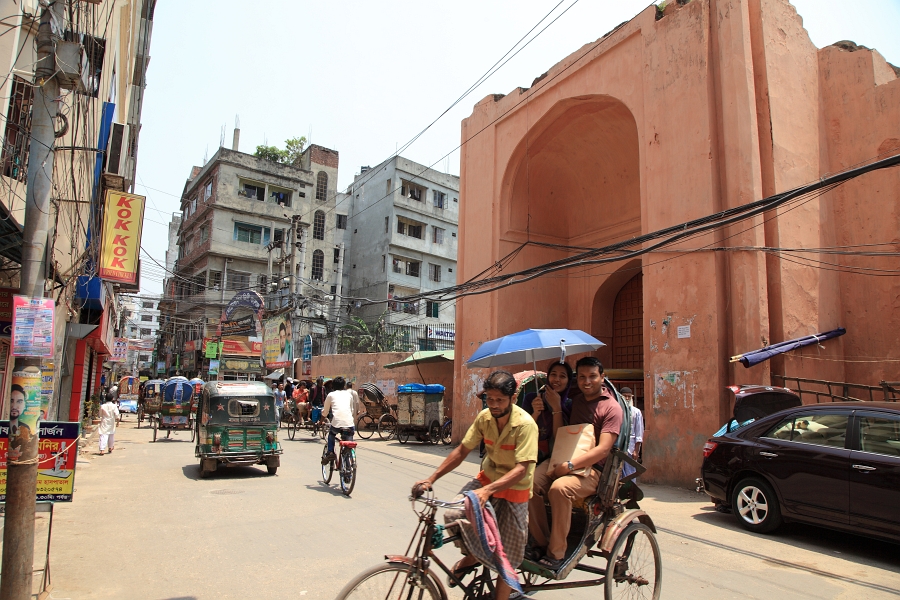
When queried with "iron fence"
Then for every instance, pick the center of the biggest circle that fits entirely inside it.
(840, 391)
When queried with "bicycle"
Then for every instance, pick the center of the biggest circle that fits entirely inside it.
(446, 431)
(344, 463)
(625, 540)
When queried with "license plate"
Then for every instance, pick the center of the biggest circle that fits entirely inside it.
(174, 420)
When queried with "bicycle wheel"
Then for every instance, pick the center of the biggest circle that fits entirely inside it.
(327, 468)
(390, 581)
(348, 470)
(365, 426)
(635, 566)
(292, 429)
(447, 432)
(387, 426)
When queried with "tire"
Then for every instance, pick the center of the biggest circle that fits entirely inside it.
(755, 505)
(447, 432)
(203, 472)
(387, 427)
(193, 433)
(271, 470)
(365, 426)
(140, 416)
(327, 469)
(389, 581)
(402, 435)
(292, 429)
(434, 432)
(348, 470)
(635, 566)
(155, 427)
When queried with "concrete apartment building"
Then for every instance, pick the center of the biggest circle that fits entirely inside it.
(237, 215)
(403, 227)
(140, 320)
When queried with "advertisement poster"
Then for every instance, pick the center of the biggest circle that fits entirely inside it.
(213, 349)
(160, 366)
(32, 332)
(277, 350)
(57, 453)
(120, 350)
(24, 411)
(243, 326)
(214, 366)
(47, 370)
(120, 242)
(306, 368)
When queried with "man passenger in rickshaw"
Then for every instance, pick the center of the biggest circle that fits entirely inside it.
(510, 437)
(301, 401)
(340, 403)
(562, 487)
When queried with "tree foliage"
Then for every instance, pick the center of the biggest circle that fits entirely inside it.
(359, 336)
(293, 148)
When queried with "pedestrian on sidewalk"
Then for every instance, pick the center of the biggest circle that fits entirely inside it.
(109, 414)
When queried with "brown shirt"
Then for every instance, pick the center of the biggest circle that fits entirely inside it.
(604, 413)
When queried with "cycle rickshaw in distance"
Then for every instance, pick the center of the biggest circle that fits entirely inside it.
(150, 400)
(237, 426)
(616, 547)
(175, 408)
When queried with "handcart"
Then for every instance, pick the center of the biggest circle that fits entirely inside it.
(420, 412)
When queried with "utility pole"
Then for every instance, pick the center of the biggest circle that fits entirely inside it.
(21, 479)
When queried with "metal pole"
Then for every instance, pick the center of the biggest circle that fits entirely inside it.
(18, 532)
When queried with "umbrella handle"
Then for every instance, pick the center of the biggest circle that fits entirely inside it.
(562, 351)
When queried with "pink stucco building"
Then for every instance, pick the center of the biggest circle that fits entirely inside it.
(711, 104)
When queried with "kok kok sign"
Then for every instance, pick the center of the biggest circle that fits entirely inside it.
(123, 219)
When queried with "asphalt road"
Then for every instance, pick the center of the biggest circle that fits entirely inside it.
(143, 526)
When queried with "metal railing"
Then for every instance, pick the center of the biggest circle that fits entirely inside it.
(840, 391)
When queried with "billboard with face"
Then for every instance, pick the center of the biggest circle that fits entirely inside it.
(278, 349)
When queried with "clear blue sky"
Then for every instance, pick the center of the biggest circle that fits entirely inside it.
(363, 77)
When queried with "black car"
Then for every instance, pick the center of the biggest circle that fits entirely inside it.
(834, 465)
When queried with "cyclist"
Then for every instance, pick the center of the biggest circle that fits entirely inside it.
(511, 440)
(341, 403)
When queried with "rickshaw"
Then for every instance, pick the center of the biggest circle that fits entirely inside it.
(379, 416)
(175, 410)
(237, 426)
(150, 400)
(129, 388)
(606, 527)
(195, 399)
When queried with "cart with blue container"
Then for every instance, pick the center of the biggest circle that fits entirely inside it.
(420, 412)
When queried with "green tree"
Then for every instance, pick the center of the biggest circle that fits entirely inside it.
(359, 336)
(292, 151)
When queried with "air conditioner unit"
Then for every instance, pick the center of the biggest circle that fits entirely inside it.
(117, 151)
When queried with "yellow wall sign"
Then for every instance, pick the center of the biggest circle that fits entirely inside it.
(120, 245)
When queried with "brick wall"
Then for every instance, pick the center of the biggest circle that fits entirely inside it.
(323, 156)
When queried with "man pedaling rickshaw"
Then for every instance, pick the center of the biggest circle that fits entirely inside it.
(510, 436)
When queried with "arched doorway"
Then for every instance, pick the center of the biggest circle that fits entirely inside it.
(628, 333)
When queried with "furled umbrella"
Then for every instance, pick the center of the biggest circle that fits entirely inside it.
(749, 359)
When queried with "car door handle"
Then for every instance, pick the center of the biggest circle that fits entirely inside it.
(863, 468)
(768, 454)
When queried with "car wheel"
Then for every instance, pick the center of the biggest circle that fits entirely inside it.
(755, 505)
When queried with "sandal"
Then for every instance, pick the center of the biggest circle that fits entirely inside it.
(459, 573)
(533, 553)
(550, 563)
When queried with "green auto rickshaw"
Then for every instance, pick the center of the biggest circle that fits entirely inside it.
(237, 426)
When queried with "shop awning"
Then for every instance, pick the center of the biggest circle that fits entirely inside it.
(423, 356)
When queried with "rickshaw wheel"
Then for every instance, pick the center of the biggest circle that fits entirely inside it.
(635, 566)
(387, 426)
(292, 429)
(154, 430)
(365, 426)
(402, 435)
(193, 433)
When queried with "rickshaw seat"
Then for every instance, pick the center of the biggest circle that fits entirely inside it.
(348, 444)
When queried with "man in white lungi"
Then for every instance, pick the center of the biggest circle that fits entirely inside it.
(109, 415)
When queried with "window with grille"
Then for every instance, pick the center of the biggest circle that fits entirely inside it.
(412, 191)
(238, 281)
(147, 318)
(319, 225)
(434, 272)
(440, 199)
(412, 268)
(322, 186)
(215, 280)
(340, 221)
(437, 235)
(247, 233)
(318, 265)
(204, 233)
(432, 309)
(147, 305)
(16, 141)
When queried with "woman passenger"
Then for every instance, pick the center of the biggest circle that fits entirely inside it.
(551, 407)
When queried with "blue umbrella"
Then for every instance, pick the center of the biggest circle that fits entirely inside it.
(749, 359)
(532, 345)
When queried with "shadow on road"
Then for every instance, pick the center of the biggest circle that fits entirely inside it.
(192, 471)
(327, 488)
(854, 548)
